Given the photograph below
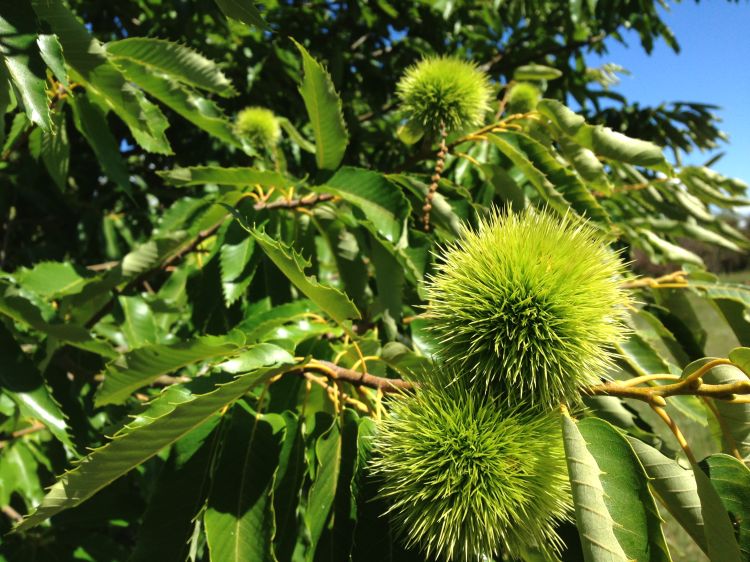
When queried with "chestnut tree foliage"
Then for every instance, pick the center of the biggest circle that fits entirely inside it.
(220, 230)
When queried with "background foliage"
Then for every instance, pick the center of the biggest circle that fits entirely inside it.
(144, 332)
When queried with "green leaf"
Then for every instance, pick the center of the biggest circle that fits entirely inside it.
(544, 187)
(296, 136)
(381, 201)
(178, 496)
(235, 261)
(287, 487)
(536, 72)
(323, 490)
(593, 520)
(92, 124)
(20, 379)
(147, 256)
(244, 11)
(332, 301)
(564, 180)
(20, 53)
(324, 109)
(142, 366)
(51, 51)
(239, 517)
(626, 493)
(602, 140)
(86, 56)
(51, 279)
(240, 177)
(56, 150)
(193, 107)
(722, 544)
(668, 251)
(586, 164)
(731, 479)
(178, 61)
(140, 326)
(675, 488)
(137, 443)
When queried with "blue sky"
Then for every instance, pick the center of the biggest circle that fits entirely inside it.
(713, 66)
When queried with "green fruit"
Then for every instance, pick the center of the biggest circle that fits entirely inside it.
(463, 479)
(258, 126)
(528, 306)
(523, 97)
(445, 91)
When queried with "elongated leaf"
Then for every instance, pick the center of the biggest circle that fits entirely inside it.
(602, 140)
(296, 136)
(675, 488)
(382, 202)
(21, 380)
(147, 256)
(586, 164)
(288, 486)
(565, 181)
(323, 491)
(536, 72)
(87, 57)
(56, 150)
(244, 11)
(51, 51)
(731, 479)
(180, 62)
(20, 54)
(178, 496)
(92, 124)
(193, 107)
(142, 366)
(133, 446)
(51, 279)
(540, 182)
(720, 537)
(239, 518)
(324, 109)
(593, 520)
(335, 303)
(240, 177)
(237, 269)
(627, 496)
(667, 252)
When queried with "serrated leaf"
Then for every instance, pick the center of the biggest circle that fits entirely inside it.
(544, 187)
(536, 72)
(596, 527)
(564, 180)
(244, 11)
(380, 201)
(51, 279)
(675, 488)
(178, 61)
(140, 326)
(140, 367)
(51, 51)
(21, 380)
(178, 496)
(586, 164)
(239, 517)
(237, 270)
(147, 256)
(86, 56)
(20, 54)
(92, 124)
(731, 479)
(131, 447)
(240, 177)
(324, 109)
(332, 301)
(627, 496)
(56, 150)
(195, 108)
(602, 140)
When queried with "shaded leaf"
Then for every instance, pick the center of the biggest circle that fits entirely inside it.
(244, 11)
(324, 109)
(240, 177)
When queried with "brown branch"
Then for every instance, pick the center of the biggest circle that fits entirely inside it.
(357, 378)
(668, 281)
(12, 514)
(37, 426)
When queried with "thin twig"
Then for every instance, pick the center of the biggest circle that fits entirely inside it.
(439, 165)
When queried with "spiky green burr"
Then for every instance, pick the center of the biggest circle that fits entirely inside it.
(528, 306)
(444, 91)
(465, 480)
(523, 97)
(258, 126)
